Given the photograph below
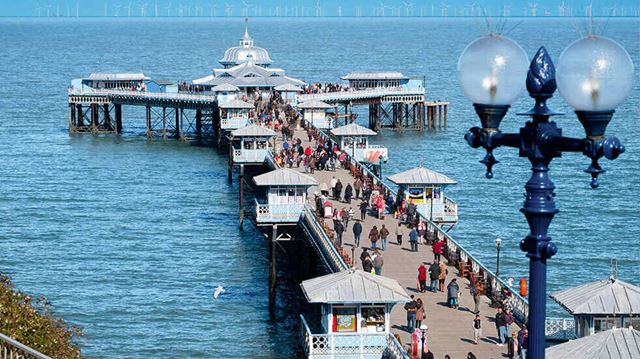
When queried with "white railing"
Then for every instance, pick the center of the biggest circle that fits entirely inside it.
(322, 241)
(142, 94)
(360, 94)
(234, 122)
(252, 156)
(350, 345)
(560, 329)
(13, 349)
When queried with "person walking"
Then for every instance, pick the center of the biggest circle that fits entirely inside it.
(477, 328)
(501, 326)
(363, 210)
(411, 309)
(339, 228)
(413, 239)
(443, 275)
(475, 294)
(357, 186)
(373, 237)
(512, 346)
(437, 250)
(333, 183)
(399, 233)
(419, 312)
(523, 342)
(357, 231)
(434, 274)
(348, 193)
(378, 262)
(453, 292)
(384, 233)
(338, 190)
(422, 278)
(509, 319)
(365, 258)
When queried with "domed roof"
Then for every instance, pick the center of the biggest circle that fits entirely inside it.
(245, 52)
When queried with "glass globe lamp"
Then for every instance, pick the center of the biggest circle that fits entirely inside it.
(492, 70)
(594, 75)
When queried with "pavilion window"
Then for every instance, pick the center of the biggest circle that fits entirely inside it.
(373, 317)
(602, 324)
(345, 319)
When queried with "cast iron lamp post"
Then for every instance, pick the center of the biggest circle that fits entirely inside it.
(498, 242)
(595, 75)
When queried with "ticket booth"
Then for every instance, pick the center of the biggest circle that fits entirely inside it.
(234, 114)
(354, 140)
(225, 92)
(315, 113)
(426, 189)
(250, 144)
(355, 311)
(286, 194)
(601, 305)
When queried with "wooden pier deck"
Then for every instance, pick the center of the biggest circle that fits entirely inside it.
(450, 330)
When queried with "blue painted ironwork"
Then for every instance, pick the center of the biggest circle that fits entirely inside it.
(540, 140)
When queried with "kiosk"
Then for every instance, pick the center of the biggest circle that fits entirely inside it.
(234, 114)
(286, 194)
(250, 144)
(354, 140)
(315, 113)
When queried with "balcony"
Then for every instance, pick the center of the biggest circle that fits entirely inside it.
(278, 213)
(233, 123)
(250, 156)
(370, 154)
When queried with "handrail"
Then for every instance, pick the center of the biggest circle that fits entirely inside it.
(166, 95)
(519, 305)
(383, 91)
(324, 239)
(11, 348)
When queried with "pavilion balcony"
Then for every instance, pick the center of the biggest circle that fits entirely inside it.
(370, 154)
(233, 123)
(350, 345)
(446, 212)
(278, 213)
(250, 155)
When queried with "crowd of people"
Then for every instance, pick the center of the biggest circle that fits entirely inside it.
(324, 88)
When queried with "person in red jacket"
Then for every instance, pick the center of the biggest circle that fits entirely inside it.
(437, 250)
(422, 278)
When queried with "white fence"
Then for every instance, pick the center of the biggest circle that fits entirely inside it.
(360, 94)
(560, 329)
(13, 349)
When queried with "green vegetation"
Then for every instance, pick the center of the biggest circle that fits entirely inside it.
(31, 322)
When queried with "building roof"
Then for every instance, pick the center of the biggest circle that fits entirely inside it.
(248, 74)
(163, 82)
(288, 88)
(353, 129)
(118, 77)
(284, 177)
(314, 104)
(225, 88)
(245, 52)
(353, 286)
(612, 296)
(619, 343)
(375, 75)
(253, 131)
(235, 103)
(421, 175)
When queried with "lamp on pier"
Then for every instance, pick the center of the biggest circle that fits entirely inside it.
(595, 75)
(423, 329)
(498, 242)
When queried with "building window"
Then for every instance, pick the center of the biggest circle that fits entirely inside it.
(602, 324)
(373, 318)
(344, 320)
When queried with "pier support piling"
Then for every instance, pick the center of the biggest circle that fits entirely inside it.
(230, 166)
(118, 114)
(241, 198)
(148, 118)
(198, 124)
(272, 261)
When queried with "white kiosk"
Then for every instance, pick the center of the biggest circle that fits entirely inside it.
(315, 113)
(234, 114)
(286, 195)
(251, 144)
(354, 140)
(355, 314)
(426, 189)
(225, 92)
(288, 92)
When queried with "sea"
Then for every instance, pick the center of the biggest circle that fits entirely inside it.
(127, 237)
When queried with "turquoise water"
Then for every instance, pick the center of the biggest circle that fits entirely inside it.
(128, 237)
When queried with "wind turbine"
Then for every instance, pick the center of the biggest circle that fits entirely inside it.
(229, 9)
(318, 8)
(245, 8)
(212, 9)
(562, 9)
(38, 9)
(408, 8)
(534, 9)
(506, 10)
(444, 10)
(168, 8)
(381, 9)
(143, 9)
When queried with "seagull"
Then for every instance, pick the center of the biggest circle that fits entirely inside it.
(217, 291)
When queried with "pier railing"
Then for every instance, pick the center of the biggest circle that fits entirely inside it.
(142, 94)
(361, 94)
(560, 329)
(468, 265)
(352, 345)
(327, 250)
(13, 349)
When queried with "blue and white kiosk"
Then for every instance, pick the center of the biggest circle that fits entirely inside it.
(354, 140)
(250, 144)
(225, 92)
(426, 189)
(355, 319)
(286, 194)
(234, 114)
(315, 113)
(288, 92)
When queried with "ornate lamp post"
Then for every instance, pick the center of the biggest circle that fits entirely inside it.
(498, 242)
(595, 75)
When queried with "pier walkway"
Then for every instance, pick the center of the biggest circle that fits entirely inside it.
(450, 330)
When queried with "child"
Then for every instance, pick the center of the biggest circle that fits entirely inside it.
(477, 329)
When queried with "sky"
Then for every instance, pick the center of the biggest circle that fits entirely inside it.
(150, 8)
